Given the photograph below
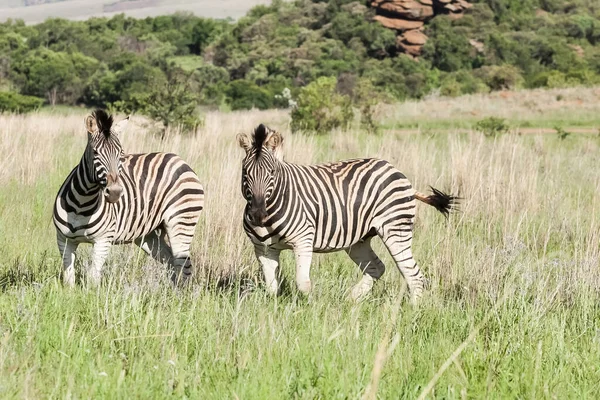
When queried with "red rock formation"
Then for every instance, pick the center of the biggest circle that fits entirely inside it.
(408, 17)
(398, 24)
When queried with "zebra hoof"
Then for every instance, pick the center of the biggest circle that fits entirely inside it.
(305, 287)
(415, 298)
(361, 289)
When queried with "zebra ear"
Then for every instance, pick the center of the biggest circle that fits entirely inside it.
(120, 127)
(90, 124)
(274, 141)
(244, 141)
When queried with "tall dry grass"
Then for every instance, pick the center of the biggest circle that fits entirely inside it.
(536, 196)
(522, 255)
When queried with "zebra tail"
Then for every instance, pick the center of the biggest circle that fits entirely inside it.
(442, 202)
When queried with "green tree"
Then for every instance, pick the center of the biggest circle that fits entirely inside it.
(173, 102)
(448, 49)
(57, 76)
(320, 108)
(243, 94)
(17, 103)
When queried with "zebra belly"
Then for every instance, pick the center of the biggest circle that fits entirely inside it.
(138, 228)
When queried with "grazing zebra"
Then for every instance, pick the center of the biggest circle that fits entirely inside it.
(111, 197)
(329, 207)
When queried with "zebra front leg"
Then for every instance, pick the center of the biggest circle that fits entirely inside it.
(67, 250)
(303, 260)
(370, 265)
(99, 254)
(269, 261)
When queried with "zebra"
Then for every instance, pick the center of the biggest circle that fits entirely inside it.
(326, 208)
(113, 198)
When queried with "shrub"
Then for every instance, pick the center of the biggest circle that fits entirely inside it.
(561, 132)
(173, 102)
(447, 49)
(366, 98)
(17, 103)
(320, 108)
(244, 95)
(500, 77)
(492, 126)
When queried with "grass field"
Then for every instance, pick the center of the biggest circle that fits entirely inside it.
(513, 309)
(525, 111)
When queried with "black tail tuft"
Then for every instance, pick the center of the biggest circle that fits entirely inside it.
(442, 202)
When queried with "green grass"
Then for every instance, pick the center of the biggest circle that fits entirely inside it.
(524, 251)
(469, 123)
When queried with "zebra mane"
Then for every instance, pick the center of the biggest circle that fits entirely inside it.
(260, 135)
(104, 121)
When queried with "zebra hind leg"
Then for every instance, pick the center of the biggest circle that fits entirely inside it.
(398, 240)
(180, 238)
(370, 265)
(154, 245)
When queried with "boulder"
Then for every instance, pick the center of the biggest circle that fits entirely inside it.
(412, 11)
(414, 37)
(409, 49)
(408, 17)
(479, 46)
(398, 24)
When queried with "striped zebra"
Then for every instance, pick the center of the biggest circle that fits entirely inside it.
(111, 198)
(326, 208)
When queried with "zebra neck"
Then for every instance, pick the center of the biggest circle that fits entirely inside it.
(281, 184)
(82, 188)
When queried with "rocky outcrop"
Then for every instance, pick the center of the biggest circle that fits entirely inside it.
(407, 18)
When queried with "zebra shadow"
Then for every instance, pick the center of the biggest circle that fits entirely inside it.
(15, 277)
(243, 284)
(19, 274)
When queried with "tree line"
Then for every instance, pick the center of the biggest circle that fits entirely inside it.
(169, 65)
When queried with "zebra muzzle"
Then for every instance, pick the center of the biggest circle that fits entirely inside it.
(257, 214)
(113, 193)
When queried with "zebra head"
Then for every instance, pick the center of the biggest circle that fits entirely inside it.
(104, 153)
(259, 170)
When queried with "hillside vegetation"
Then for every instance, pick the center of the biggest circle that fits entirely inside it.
(129, 64)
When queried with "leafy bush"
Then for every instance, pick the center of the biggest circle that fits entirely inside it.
(461, 82)
(172, 101)
(366, 98)
(17, 103)
(244, 95)
(448, 49)
(561, 132)
(320, 108)
(492, 126)
(500, 77)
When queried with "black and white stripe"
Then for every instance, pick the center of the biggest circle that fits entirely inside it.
(329, 207)
(111, 197)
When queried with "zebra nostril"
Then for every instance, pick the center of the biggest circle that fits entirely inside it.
(106, 192)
